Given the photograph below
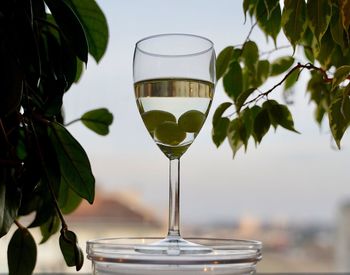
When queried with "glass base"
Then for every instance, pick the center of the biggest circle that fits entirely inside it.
(136, 256)
(173, 246)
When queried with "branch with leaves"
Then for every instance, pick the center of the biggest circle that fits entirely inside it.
(322, 29)
(44, 170)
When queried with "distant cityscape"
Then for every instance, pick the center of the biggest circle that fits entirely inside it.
(287, 247)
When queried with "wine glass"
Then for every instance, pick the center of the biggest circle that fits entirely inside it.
(174, 81)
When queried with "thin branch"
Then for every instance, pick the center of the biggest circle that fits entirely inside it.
(17, 223)
(2, 127)
(308, 66)
(73, 121)
(275, 49)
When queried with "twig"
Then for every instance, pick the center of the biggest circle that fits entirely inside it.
(20, 226)
(275, 49)
(308, 66)
(73, 121)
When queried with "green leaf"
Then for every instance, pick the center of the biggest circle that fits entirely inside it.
(219, 131)
(280, 115)
(262, 72)
(250, 54)
(80, 70)
(338, 123)
(74, 164)
(319, 114)
(21, 253)
(291, 79)
(223, 61)
(344, 6)
(94, 23)
(337, 29)
(220, 110)
(340, 75)
(249, 5)
(246, 127)
(281, 65)
(72, 253)
(233, 135)
(98, 120)
(294, 20)
(9, 201)
(261, 124)
(49, 228)
(233, 80)
(70, 27)
(68, 200)
(319, 14)
(243, 97)
(269, 17)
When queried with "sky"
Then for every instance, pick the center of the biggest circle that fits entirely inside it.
(297, 178)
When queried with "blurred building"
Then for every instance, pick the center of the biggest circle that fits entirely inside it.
(342, 245)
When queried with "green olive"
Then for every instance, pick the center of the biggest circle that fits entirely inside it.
(154, 118)
(192, 121)
(170, 133)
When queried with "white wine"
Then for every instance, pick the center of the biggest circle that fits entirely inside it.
(174, 110)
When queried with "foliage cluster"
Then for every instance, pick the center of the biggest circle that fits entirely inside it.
(43, 168)
(321, 29)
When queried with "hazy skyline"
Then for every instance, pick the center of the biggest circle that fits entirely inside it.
(288, 176)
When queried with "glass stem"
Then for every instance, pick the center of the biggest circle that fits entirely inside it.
(174, 199)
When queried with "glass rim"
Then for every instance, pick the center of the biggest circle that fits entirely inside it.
(211, 45)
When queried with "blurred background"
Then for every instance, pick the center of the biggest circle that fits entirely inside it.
(291, 192)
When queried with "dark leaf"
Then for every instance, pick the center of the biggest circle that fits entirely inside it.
(340, 75)
(223, 61)
(98, 120)
(233, 80)
(70, 27)
(219, 131)
(338, 123)
(10, 84)
(344, 6)
(70, 249)
(220, 124)
(250, 54)
(74, 164)
(294, 20)
(281, 65)
(49, 228)
(319, 113)
(291, 79)
(269, 17)
(94, 23)
(68, 200)
(243, 97)
(247, 126)
(337, 29)
(21, 253)
(261, 124)
(279, 115)
(262, 72)
(319, 14)
(220, 110)
(249, 5)
(10, 199)
(234, 135)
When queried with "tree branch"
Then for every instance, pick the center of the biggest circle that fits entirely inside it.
(307, 66)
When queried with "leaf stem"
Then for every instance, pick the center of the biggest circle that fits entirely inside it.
(17, 223)
(73, 121)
